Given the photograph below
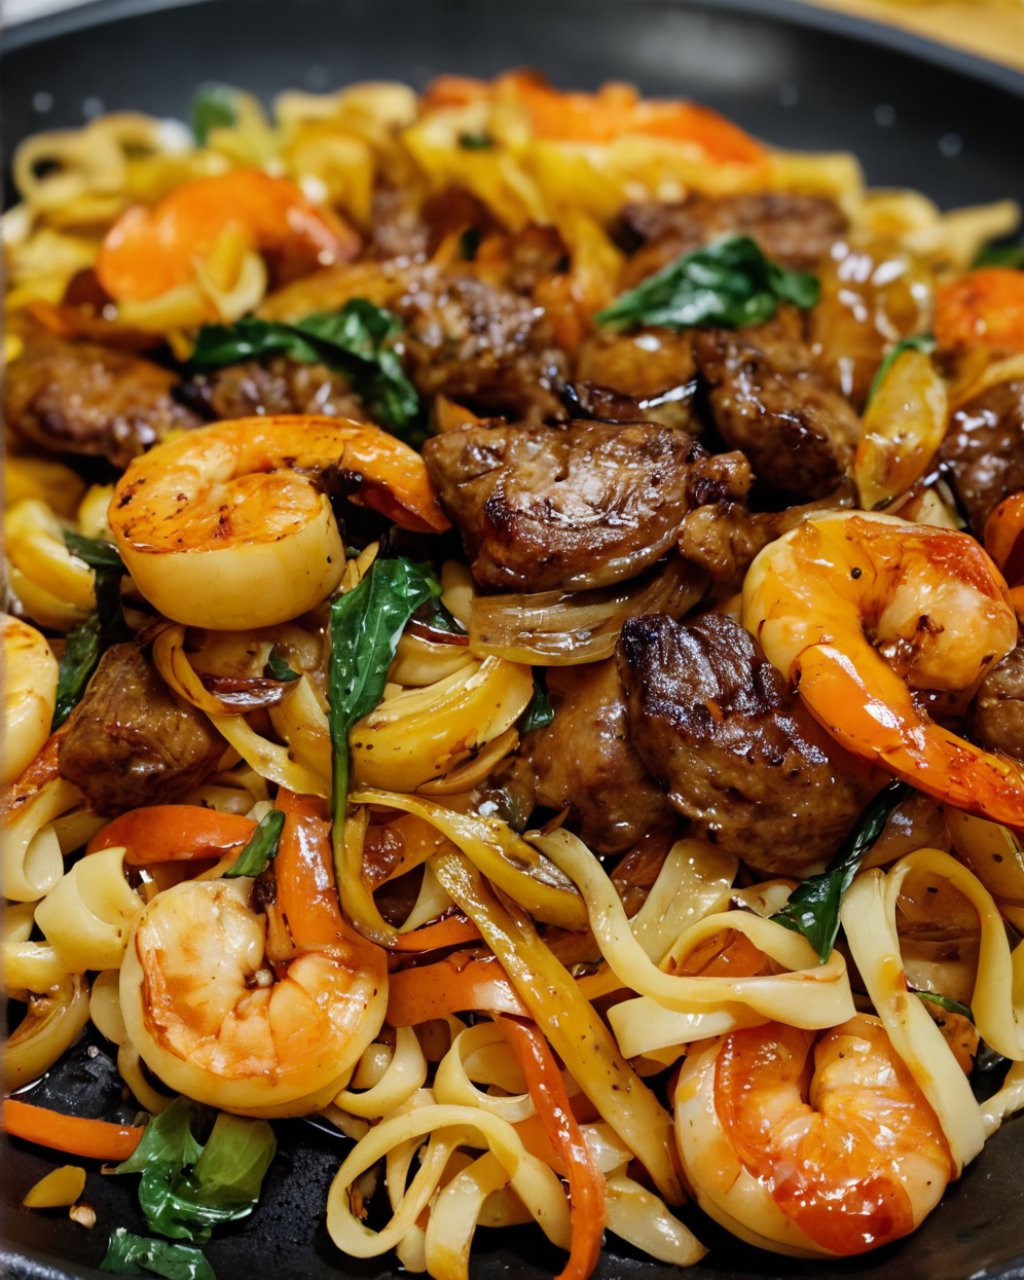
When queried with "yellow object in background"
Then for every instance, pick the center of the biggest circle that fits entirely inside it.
(59, 1188)
(991, 28)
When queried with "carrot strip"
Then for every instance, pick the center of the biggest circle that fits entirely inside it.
(443, 933)
(306, 894)
(586, 1182)
(173, 833)
(455, 984)
(96, 1139)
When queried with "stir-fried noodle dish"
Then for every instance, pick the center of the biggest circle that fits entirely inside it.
(511, 651)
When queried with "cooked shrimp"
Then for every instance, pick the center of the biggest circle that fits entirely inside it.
(30, 694)
(838, 1160)
(258, 1014)
(224, 527)
(149, 251)
(859, 610)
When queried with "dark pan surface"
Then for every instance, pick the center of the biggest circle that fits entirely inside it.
(917, 114)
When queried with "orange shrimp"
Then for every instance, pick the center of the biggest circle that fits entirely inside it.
(149, 251)
(259, 1015)
(837, 1159)
(982, 307)
(222, 527)
(859, 610)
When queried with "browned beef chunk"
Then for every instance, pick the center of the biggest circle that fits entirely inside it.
(131, 742)
(579, 506)
(998, 710)
(984, 450)
(797, 432)
(714, 721)
(79, 397)
(481, 345)
(724, 537)
(280, 386)
(793, 230)
(583, 761)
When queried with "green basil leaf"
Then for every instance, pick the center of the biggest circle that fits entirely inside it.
(813, 906)
(366, 626)
(434, 614)
(357, 340)
(127, 1253)
(96, 552)
(261, 847)
(167, 1139)
(1001, 255)
(915, 342)
(215, 106)
(539, 712)
(78, 661)
(476, 141)
(944, 1002)
(87, 640)
(729, 282)
(236, 1157)
(277, 669)
(187, 1187)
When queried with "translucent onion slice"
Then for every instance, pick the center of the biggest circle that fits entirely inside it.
(556, 628)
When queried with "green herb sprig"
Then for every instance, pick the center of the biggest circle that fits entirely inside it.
(87, 640)
(729, 282)
(813, 906)
(357, 340)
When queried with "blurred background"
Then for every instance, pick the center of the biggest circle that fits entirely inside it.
(992, 28)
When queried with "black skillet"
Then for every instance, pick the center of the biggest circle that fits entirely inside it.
(917, 114)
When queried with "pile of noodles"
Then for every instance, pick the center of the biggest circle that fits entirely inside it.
(440, 1112)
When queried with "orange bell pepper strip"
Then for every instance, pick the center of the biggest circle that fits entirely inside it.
(452, 931)
(306, 894)
(586, 1182)
(149, 251)
(456, 984)
(94, 1139)
(1004, 537)
(173, 833)
(984, 307)
(307, 899)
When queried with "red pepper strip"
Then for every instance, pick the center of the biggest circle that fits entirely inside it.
(173, 833)
(586, 1182)
(455, 984)
(96, 1139)
(449, 932)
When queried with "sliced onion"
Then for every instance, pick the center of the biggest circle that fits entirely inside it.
(558, 628)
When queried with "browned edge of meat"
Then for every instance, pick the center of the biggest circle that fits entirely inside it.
(80, 397)
(131, 742)
(984, 450)
(279, 386)
(997, 713)
(585, 505)
(584, 762)
(714, 721)
(798, 433)
(479, 344)
(794, 230)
